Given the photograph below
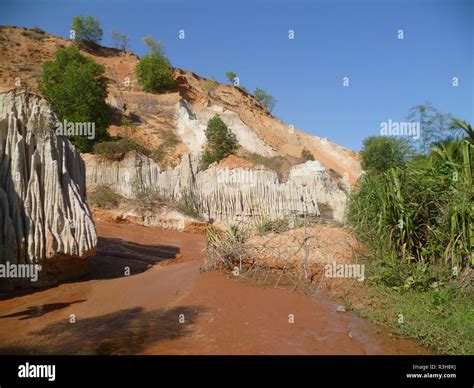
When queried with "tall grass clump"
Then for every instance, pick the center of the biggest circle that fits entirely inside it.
(421, 211)
(225, 249)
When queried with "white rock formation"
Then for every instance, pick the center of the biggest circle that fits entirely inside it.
(191, 126)
(226, 195)
(44, 217)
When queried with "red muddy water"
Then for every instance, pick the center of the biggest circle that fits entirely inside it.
(167, 306)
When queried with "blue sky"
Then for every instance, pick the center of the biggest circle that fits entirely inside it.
(333, 39)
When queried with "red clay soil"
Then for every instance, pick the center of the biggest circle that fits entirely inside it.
(176, 309)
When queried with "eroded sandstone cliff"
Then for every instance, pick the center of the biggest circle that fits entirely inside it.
(227, 194)
(44, 216)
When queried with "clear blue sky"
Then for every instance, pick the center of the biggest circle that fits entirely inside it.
(333, 39)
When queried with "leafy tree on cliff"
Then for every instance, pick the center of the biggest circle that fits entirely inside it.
(221, 141)
(87, 29)
(265, 99)
(154, 71)
(76, 88)
(120, 40)
(231, 75)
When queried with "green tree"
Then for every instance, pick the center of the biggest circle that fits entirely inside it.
(434, 125)
(155, 46)
(120, 40)
(76, 88)
(380, 153)
(221, 141)
(154, 72)
(231, 76)
(87, 29)
(306, 154)
(265, 99)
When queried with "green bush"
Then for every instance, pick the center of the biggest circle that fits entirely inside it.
(76, 88)
(306, 155)
(116, 149)
(221, 141)
(125, 121)
(265, 99)
(231, 75)
(380, 153)
(155, 74)
(87, 29)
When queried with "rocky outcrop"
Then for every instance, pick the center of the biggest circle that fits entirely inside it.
(226, 194)
(231, 195)
(185, 112)
(44, 216)
(192, 124)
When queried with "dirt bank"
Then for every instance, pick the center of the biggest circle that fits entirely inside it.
(166, 306)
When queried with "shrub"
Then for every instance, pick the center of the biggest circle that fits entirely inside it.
(155, 74)
(116, 149)
(221, 141)
(273, 226)
(231, 75)
(188, 204)
(434, 126)
(147, 199)
(87, 29)
(409, 276)
(380, 153)
(265, 99)
(125, 121)
(306, 155)
(225, 250)
(120, 40)
(38, 30)
(153, 44)
(104, 197)
(76, 88)
(209, 84)
(276, 163)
